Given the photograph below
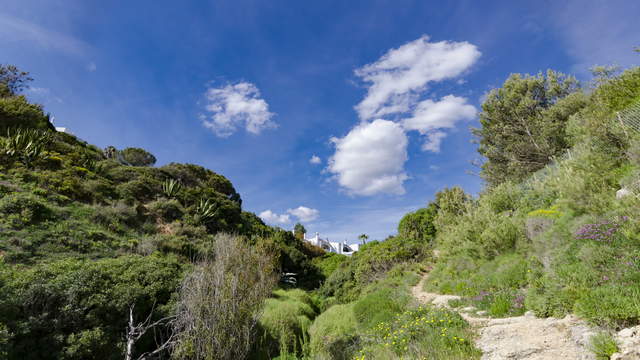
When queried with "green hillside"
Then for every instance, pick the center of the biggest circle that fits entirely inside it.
(90, 236)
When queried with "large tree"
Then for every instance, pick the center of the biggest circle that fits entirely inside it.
(12, 80)
(523, 124)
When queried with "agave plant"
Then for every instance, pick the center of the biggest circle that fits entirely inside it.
(171, 187)
(27, 145)
(205, 211)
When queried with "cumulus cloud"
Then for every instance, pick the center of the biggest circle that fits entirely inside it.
(401, 74)
(429, 116)
(370, 158)
(236, 105)
(270, 217)
(315, 160)
(304, 213)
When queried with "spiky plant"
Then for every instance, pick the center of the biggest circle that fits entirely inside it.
(170, 188)
(27, 145)
(205, 211)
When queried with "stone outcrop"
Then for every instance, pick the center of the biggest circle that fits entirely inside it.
(628, 344)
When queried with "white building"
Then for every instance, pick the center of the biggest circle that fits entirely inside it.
(334, 247)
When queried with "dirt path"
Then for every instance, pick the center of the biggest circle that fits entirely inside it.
(520, 337)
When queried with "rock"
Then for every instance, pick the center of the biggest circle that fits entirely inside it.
(622, 193)
(628, 344)
(530, 314)
(468, 309)
(482, 313)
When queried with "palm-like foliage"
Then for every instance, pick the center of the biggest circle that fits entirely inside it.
(27, 145)
(170, 188)
(205, 211)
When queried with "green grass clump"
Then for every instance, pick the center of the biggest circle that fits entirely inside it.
(603, 345)
(334, 333)
(284, 323)
(422, 333)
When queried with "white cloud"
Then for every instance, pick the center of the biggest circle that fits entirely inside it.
(18, 30)
(429, 116)
(315, 160)
(370, 158)
(236, 105)
(304, 213)
(272, 218)
(399, 75)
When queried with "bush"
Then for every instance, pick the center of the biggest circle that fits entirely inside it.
(138, 157)
(141, 189)
(614, 305)
(220, 301)
(379, 306)
(284, 324)
(16, 111)
(165, 210)
(21, 209)
(328, 263)
(334, 333)
(117, 217)
(64, 308)
(603, 345)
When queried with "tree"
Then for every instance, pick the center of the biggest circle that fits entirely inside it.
(138, 157)
(451, 204)
(363, 238)
(12, 80)
(299, 231)
(220, 301)
(419, 225)
(16, 111)
(523, 124)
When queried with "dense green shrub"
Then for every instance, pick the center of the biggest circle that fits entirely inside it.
(16, 111)
(22, 209)
(66, 308)
(603, 345)
(284, 323)
(328, 263)
(137, 157)
(165, 210)
(378, 306)
(419, 225)
(334, 333)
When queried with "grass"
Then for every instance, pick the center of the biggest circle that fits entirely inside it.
(284, 324)
(603, 345)
(421, 333)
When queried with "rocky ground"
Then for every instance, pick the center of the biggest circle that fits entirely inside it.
(530, 338)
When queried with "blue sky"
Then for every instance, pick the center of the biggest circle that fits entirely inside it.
(381, 94)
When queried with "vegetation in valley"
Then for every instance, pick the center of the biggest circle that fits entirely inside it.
(97, 241)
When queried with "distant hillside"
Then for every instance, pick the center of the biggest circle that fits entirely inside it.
(85, 233)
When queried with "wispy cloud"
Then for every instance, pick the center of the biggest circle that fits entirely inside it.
(397, 78)
(236, 105)
(13, 29)
(598, 32)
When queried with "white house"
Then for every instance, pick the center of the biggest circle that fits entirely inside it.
(334, 247)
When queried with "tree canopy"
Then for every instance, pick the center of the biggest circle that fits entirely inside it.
(523, 124)
(12, 80)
